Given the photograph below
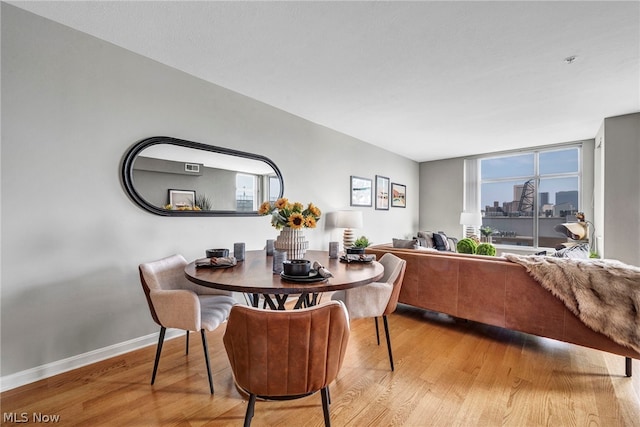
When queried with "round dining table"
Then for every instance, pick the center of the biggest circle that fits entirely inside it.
(254, 277)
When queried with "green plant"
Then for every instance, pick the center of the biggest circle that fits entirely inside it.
(486, 231)
(203, 202)
(361, 242)
(467, 246)
(486, 249)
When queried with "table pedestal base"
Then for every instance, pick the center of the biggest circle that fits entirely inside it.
(278, 301)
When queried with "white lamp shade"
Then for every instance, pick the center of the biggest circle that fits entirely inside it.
(349, 219)
(574, 230)
(471, 218)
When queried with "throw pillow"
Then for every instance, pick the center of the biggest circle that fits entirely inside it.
(441, 242)
(405, 244)
(425, 238)
(577, 251)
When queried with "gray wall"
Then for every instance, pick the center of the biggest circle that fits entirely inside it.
(621, 188)
(72, 240)
(441, 189)
(617, 216)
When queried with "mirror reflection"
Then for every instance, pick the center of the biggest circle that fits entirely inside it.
(173, 177)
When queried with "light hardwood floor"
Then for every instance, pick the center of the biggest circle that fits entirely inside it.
(448, 373)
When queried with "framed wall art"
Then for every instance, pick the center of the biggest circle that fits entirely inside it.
(360, 190)
(182, 199)
(382, 192)
(398, 195)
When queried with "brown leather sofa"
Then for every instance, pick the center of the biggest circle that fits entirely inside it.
(494, 291)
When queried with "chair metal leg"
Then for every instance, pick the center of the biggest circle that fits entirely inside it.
(206, 357)
(386, 331)
(375, 319)
(249, 415)
(187, 350)
(158, 351)
(627, 368)
(325, 406)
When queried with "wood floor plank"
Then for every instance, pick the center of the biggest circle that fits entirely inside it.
(449, 372)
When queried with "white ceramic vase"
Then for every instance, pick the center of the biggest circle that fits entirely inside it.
(292, 241)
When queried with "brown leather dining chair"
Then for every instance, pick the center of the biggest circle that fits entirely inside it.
(281, 355)
(175, 302)
(377, 299)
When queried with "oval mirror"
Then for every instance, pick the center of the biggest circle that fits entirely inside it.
(173, 177)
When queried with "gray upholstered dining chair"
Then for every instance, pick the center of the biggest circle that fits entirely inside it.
(286, 354)
(377, 299)
(175, 302)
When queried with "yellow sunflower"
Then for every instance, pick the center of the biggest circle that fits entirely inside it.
(290, 214)
(296, 221)
(315, 211)
(281, 203)
(310, 222)
(265, 208)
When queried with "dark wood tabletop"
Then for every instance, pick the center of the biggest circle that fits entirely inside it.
(255, 275)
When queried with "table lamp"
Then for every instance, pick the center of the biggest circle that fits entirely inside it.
(348, 220)
(470, 221)
(577, 231)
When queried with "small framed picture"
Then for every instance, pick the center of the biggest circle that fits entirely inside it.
(398, 195)
(182, 199)
(382, 192)
(360, 191)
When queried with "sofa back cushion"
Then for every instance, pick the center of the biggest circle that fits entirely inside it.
(405, 243)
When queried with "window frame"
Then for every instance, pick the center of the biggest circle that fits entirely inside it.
(537, 177)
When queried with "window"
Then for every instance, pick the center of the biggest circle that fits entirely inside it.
(274, 188)
(246, 192)
(525, 195)
(250, 189)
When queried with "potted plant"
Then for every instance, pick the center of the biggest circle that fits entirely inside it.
(486, 234)
(291, 218)
(359, 245)
(203, 202)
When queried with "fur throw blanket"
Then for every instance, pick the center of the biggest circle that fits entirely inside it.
(603, 294)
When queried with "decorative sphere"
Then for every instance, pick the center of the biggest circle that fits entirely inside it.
(486, 249)
(467, 246)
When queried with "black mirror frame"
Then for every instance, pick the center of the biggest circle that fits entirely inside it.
(132, 153)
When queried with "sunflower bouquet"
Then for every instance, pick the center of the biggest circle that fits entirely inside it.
(286, 214)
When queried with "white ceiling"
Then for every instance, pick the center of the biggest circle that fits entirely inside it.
(428, 80)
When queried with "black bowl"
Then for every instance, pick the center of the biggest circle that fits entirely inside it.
(297, 267)
(217, 253)
(355, 250)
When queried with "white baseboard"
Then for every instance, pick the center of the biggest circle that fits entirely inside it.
(54, 368)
